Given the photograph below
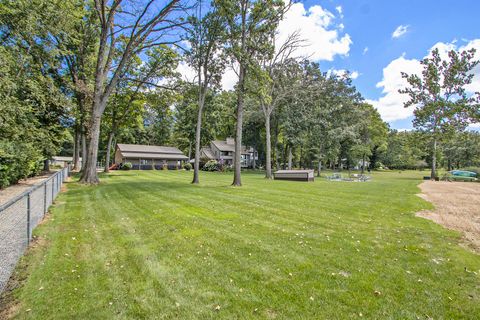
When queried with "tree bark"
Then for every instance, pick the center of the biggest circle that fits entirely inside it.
(363, 163)
(84, 150)
(237, 179)
(198, 130)
(433, 174)
(319, 168)
(89, 173)
(109, 149)
(268, 161)
(46, 165)
(76, 151)
(290, 157)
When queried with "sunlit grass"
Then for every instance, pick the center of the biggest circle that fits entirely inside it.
(151, 245)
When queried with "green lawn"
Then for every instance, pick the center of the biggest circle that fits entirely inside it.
(149, 245)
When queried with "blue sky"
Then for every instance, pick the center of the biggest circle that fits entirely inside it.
(370, 24)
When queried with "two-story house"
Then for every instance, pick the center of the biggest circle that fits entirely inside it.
(224, 151)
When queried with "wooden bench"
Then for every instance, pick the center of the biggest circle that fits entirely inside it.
(294, 175)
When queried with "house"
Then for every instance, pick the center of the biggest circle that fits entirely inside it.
(224, 151)
(63, 161)
(143, 157)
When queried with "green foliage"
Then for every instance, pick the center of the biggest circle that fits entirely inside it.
(187, 166)
(33, 97)
(18, 161)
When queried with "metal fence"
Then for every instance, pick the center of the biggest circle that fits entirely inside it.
(19, 216)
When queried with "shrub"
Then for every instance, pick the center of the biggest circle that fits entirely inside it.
(18, 161)
(211, 165)
(127, 166)
(187, 166)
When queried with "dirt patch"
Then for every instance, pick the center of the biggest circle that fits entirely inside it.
(457, 207)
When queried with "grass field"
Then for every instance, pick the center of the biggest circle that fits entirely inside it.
(149, 245)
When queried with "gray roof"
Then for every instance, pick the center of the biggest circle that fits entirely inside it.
(208, 153)
(161, 156)
(67, 159)
(139, 151)
(147, 149)
(224, 146)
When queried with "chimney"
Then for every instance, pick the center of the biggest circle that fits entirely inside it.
(230, 141)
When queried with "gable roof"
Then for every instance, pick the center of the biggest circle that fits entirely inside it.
(147, 149)
(224, 146)
(150, 152)
(208, 153)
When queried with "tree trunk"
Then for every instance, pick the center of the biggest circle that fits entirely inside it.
(189, 150)
(109, 149)
(76, 151)
(89, 173)
(237, 179)
(84, 150)
(46, 165)
(363, 163)
(253, 160)
(196, 166)
(433, 174)
(319, 168)
(268, 156)
(290, 157)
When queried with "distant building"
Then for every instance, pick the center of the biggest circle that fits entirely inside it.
(143, 157)
(224, 152)
(63, 161)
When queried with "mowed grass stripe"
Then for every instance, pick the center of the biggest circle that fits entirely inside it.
(151, 245)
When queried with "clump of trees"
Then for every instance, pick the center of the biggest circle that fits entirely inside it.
(75, 77)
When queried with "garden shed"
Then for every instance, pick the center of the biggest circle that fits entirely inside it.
(145, 157)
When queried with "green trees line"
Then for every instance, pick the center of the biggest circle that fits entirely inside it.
(77, 76)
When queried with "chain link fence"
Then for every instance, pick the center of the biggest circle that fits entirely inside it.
(19, 216)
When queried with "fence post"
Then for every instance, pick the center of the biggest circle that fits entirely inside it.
(28, 218)
(45, 198)
(53, 187)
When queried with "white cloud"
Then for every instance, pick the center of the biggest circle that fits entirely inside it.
(319, 29)
(390, 105)
(365, 50)
(187, 72)
(317, 26)
(229, 79)
(400, 31)
(342, 72)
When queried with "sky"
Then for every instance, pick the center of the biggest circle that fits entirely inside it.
(377, 39)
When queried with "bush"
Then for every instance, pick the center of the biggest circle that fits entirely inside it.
(211, 165)
(18, 161)
(187, 166)
(127, 166)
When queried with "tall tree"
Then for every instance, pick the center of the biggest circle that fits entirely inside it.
(250, 26)
(205, 56)
(277, 85)
(441, 103)
(126, 30)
